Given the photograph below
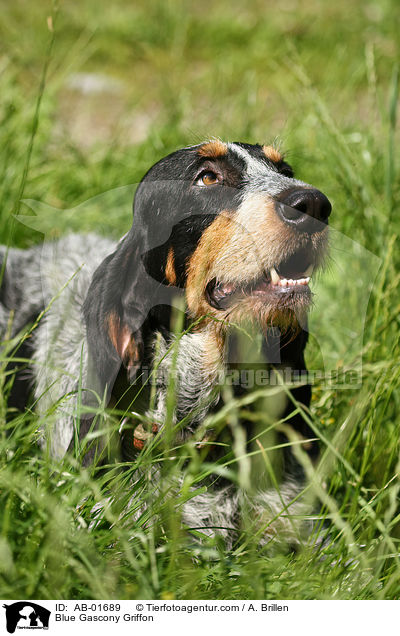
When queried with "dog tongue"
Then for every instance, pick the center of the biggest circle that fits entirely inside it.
(222, 290)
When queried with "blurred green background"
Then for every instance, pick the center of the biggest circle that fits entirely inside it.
(92, 94)
(127, 82)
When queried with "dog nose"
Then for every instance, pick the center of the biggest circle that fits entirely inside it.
(305, 209)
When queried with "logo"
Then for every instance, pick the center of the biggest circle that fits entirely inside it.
(26, 615)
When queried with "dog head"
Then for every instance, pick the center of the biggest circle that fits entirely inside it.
(226, 223)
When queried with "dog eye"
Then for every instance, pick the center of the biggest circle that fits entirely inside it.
(208, 178)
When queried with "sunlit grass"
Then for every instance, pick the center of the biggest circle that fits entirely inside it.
(324, 81)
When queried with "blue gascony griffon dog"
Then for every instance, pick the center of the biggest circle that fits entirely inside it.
(224, 228)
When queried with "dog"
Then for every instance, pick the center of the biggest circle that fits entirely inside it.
(225, 239)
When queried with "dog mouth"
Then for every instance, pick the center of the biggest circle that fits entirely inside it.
(286, 283)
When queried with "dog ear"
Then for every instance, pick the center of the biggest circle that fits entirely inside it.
(115, 312)
(139, 276)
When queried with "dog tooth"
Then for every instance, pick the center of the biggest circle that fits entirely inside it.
(309, 270)
(275, 278)
(283, 282)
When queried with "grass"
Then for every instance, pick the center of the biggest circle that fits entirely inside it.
(324, 81)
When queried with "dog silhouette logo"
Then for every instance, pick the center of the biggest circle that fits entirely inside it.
(26, 615)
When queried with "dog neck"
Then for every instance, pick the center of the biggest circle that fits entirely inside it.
(198, 364)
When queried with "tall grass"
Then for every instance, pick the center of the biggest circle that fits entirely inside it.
(249, 74)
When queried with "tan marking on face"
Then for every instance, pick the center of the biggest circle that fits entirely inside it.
(210, 245)
(213, 149)
(170, 273)
(255, 312)
(238, 247)
(258, 239)
(272, 153)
